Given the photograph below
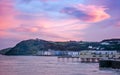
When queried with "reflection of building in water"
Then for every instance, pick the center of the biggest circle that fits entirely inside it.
(95, 56)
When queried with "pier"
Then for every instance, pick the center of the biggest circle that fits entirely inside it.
(92, 60)
(89, 56)
(93, 56)
(86, 56)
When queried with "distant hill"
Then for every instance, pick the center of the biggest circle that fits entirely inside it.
(111, 40)
(33, 46)
(3, 51)
(111, 44)
(29, 47)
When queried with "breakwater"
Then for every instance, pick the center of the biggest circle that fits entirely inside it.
(114, 64)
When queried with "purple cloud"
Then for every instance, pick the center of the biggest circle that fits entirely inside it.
(89, 13)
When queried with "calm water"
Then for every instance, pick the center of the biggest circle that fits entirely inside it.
(36, 65)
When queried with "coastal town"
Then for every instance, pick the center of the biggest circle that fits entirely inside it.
(59, 37)
(106, 52)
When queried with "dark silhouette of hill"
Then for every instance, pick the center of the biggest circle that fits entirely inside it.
(33, 46)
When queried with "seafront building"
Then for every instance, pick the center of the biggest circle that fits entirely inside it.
(59, 53)
(84, 56)
(95, 55)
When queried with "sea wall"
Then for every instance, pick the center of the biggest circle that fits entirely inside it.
(114, 64)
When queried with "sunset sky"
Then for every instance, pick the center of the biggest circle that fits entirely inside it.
(58, 20)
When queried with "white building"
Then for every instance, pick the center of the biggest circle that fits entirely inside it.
(73, 53)
(99, 54)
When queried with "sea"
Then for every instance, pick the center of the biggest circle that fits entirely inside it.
(49, 65)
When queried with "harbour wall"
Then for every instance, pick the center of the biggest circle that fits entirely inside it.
(114, 64)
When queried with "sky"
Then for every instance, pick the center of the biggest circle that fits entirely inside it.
(58, 20)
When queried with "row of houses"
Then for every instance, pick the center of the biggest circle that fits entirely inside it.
(58, 53)
(99, 54)
(82, 54)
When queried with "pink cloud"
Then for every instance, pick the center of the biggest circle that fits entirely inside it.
(6, 7)
(118, 24)
(7, 13)
(27, 1)
(41, 27)
(26, 28)
(47, 0)
(52, 30)
(87, 13)
(67, 28)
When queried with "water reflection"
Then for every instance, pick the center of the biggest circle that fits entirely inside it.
(32, 65)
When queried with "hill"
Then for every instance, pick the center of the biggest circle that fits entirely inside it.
(33, 46)
(3, 51)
